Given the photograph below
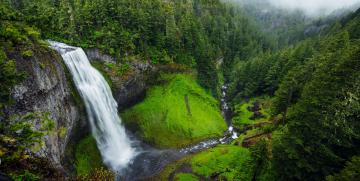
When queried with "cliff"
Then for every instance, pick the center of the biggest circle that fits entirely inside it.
(128, 88)
(47, 89)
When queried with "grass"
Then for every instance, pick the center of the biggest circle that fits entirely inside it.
(225, 161)
(177, 113)
(244, 115)
(87, 156)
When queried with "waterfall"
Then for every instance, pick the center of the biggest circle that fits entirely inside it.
(115, 146)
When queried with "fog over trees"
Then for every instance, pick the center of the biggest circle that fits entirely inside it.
(311, 7)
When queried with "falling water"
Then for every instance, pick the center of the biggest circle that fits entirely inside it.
(115, 146)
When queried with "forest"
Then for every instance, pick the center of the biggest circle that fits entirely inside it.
(286, 84)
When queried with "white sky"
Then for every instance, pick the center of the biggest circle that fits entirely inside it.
(314, 7)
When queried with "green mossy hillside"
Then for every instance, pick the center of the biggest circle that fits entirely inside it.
(177, 113)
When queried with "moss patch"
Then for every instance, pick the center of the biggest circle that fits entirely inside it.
(62, 132)
(87, 156)
(177, 113)
(27, 54)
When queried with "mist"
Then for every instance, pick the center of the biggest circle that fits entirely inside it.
(315, 7)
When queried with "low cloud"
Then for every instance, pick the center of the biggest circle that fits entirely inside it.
(315, 7)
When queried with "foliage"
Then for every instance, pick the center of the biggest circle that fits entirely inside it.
(20, 140)
(264, 73)
(19, 143)
(176, 113)
(13, 34)
(88, 159)
(261, 155)
(195, 33)
(26, 176)
(349, 173)
(8, 78)
(316, 90)
(117, 69)
(326, 110)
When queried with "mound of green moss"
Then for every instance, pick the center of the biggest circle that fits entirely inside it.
(177, 113)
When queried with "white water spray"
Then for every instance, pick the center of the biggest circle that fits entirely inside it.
(111, 139)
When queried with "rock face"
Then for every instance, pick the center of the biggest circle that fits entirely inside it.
(129, 88)
(95, 54)
(47, 89)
